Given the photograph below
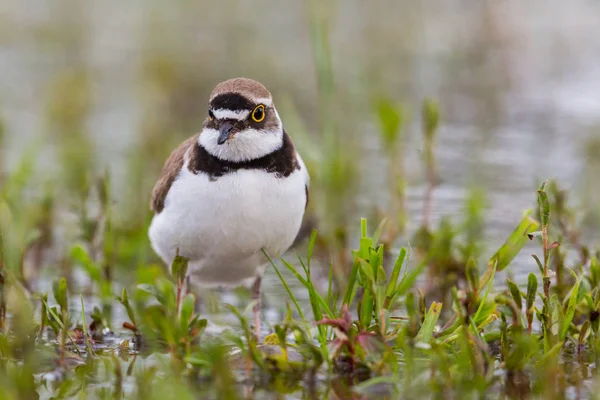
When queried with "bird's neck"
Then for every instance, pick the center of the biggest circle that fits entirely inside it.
(281, 161)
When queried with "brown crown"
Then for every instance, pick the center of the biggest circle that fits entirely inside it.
(248, 88)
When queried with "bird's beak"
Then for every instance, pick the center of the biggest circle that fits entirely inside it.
(226, 132)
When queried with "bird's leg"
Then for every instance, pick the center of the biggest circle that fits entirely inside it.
(256, 308)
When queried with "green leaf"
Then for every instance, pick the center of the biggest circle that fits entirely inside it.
(588, 299)
(187, 310)
(199, 324)
(570, 310)
(515, 293)
(426, 331)
(125, 302)
(521, 351)
(367, 303)
(82, 257)
(539, 263)
(366, 244)
(485, 310)
(556, 313)
(366, 270)
(585, 330)
(532, 284)
(179, 267)
(511, 247)
(376, 260)
(490, 316)
(396, 271)
(59, 289)
(544, 205)
(154, 291)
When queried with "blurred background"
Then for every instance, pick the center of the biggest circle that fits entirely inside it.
(106, 89)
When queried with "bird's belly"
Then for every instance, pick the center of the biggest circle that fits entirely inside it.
(223, 225)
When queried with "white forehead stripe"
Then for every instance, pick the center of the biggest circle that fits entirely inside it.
(267, 102)
(223, 113)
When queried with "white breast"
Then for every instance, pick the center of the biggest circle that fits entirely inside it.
(222, 225)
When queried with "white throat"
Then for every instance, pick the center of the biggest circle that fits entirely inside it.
(245, 145)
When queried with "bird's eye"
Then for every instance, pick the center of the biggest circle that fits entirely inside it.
(211, 116)
(259, 113)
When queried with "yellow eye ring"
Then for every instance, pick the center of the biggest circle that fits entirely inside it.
(211, 116)
(258, 114)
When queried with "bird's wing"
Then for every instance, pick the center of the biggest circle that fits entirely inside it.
(169, 173)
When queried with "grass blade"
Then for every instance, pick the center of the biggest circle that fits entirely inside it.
(485, 295)
(291, 268)
(311, 247)
(407, 282)
(287, 287)
(396, 271)
(350, 289)
(426, 331)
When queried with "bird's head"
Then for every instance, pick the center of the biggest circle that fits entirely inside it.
(242, 122)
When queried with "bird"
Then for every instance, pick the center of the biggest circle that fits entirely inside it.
(232, 193)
